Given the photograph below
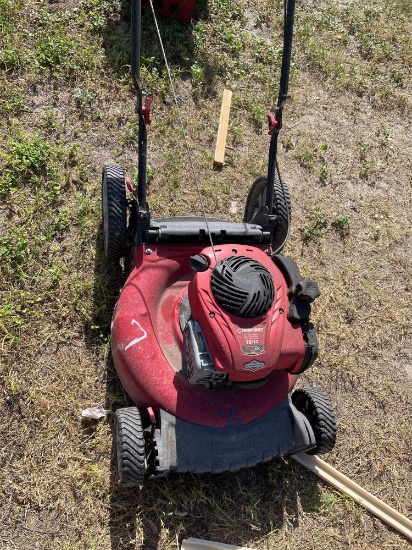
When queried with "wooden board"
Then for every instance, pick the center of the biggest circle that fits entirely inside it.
(223, 126)
(395, 519)
(199, 544)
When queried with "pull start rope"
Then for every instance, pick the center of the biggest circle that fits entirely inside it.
(183, 130)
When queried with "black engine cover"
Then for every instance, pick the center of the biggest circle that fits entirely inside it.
(242, 286)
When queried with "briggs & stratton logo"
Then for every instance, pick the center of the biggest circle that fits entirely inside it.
(254, 365)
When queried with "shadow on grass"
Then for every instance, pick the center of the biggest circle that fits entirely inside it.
(179, 45)
(234, 508)
(176, 36)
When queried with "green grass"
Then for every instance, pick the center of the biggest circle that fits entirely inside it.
(357, 47)
(318, 224)
(36, 183)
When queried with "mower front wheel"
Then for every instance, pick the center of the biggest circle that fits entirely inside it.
(129, 447)
(281, 209)
(317, 408)
(114, 210)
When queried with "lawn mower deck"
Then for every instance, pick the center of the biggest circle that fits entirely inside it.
(216, 423)
(211, 328)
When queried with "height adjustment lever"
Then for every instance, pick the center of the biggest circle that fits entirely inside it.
(273, 124)
(145, 110)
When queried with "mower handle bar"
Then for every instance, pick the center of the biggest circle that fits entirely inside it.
(136, 18)
(289, 15)
(136, 26)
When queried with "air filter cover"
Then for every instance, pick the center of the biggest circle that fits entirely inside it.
(242, 286)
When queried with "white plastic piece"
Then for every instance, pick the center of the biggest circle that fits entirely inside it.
(96, 412)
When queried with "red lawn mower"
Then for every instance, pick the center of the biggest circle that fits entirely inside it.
(212, 326)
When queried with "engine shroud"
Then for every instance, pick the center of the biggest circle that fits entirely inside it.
(243, 346)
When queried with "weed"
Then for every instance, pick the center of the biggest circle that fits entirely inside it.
(320, 225)
(305, 154)
(34, 165)
(350, 31)
(317, 227)
(13, 384)
(365, 164)
(324, 173)
(236, 133)
(363, 149)
(265, 53)
(61, 221)
(55, 50)
(150, 173)
(13, 102)
(19, 308)
(375, 232)
(328, 502)
(96, 477)
(86, 211)
(49, 118)
(13, 253)
(340, 224)
(26, 161)
(173, 169)
(226, 9)
(83, 98)
(257, 114)
(198, 76)
(288, 144)
(11, 59)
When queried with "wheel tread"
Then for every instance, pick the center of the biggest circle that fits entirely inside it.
(321, 417)
(129, 447)
(281, 208)
(115, 239)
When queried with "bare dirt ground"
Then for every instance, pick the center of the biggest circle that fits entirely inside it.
(345, 155)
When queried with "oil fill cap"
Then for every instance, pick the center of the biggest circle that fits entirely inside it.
(199, 263)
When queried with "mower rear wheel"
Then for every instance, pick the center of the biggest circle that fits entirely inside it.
(129, 445)
(316, 406)
(281, 209)
(114, 209)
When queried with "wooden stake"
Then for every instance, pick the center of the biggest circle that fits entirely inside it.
(357, 493)
(223, 126)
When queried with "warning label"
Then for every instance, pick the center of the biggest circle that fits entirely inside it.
(252, 339)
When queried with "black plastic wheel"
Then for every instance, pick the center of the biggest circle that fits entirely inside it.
(129, 445)
(281, 209)
(114, 210)
(316, 406)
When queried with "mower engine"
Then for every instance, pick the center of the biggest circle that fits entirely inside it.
(245, 317)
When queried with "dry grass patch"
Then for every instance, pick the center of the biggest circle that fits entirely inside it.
(66, 108)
